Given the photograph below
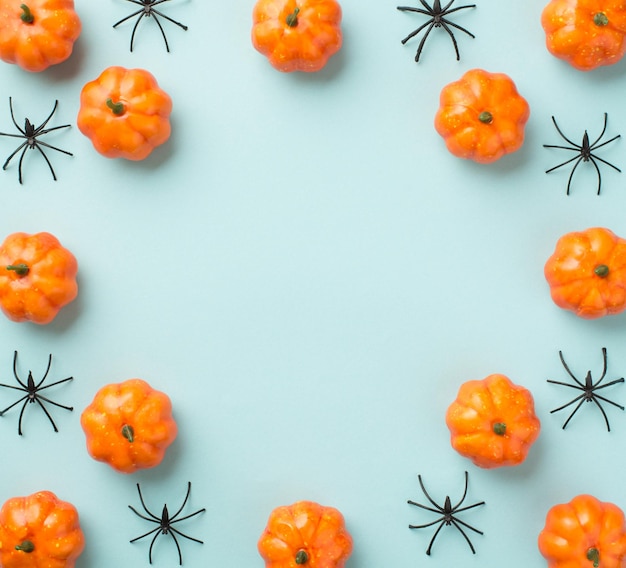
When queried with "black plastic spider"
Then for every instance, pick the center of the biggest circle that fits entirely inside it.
(32, 391)
(584, 152)
(588, 389)
(147, 10)
(165, 522)
(438, 19)
(447, 515)
(30, 133)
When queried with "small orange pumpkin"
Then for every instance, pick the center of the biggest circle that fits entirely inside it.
(482, 116)
(305, 534)
(584, 533)
(35, 34)
(493, 422)
(587, 273)
(585, 33)
(37, 277)
(297, 35)
(125, 113)
(129, 425)
(41, 531)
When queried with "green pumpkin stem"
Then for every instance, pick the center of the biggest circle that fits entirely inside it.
(602, 270)
(20, 269)
(116, 108)
(593, 554)
(485, 117)
(499, 428)
(600, 19)
(292, 19)
(128, 432)
(25, 546)
(26, 16)
(302, 557)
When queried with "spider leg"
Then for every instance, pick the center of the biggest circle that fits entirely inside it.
(15, 354)
(19, 168)
(416, 10)
(594, 147)
(438, 507)
(456, 522)
(131, 16)
(415, 32)
(40, 388)
(13, 117)
(39, 129)
(6, 163)
(152, 515)
(3, 412)
(154, 15)
(152, 544)
(132, 35)
(604, 399)
(426, 524)
(564, 163)
(46, 411)
(180, 554)
(183, 26)
(456, 507)
(595, 165)
(184, 502)
(444, 25)
(19, 422)
(459, 8)
(457, 510)
(430, 9)
(46, 159)
(186, 535)
(64, 407)
(175, 520)
(563, 135)
(445, 21)
(598, 386)
(574, 411)
(423, 41)
(605, 162)
(606, 418)
(571, 175)
(569, 403)
(568, 370)
(569, 385)
(148, 533)
(601, 133)
(432, 540)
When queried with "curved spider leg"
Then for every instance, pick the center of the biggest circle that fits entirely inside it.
(13, 117)
(184, 502)
(186, 535)
(132, 35)
(131, 16)
(6, 163)
(63, 406)
(594, 147)
(152, 544)
(604, 399)
(423, 41)
(592, 159)
(456, 510)
(568, 370)
(39, 388)
(564, 163)
(456, 507)
(571, 175)
(432, 10)
(19, 423)
(598, 386)
(416, 10)
(414, 32)
(19, 168)
(43, 407)
(456, 522)
(460, 8)
(180, 554)
(152, 515)
(606, 418)
(444, 25)
(54, 176)
(445, 21)
(39, 129)
(156, 19)
(563, 135)
(3, 412)
(581, 399)
(426, 525)
(175, 520)
(605, 162)
(179, 24)
(603, 130)
(432, 540)
(439, 508)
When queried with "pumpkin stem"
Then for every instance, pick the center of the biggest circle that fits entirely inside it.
(26, 16)
(593, 554)
(600, 19)
(302, 557)
(602, 270)
(116, 108)
(20, 269)
(499, 428)
(485, 117)
(128, 432)
(25, 546)
(292, 19)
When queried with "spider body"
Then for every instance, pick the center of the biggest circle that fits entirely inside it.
(147, 9)
(33, 395)
(585, 152)
(164, 523)
(448, 515)
(437, 14)
(31, 133)
(589, 391)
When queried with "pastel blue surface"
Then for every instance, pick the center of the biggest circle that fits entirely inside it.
(310, 275)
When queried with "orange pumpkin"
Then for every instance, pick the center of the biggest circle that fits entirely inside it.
(125, 113)
(305, 534)
(37, 277)
(36, 34)
(482, 116)
(129, 425)
(585, 33)
(39, 531)
(583, 533)
(297, 35)
(493, 422)
(587, 273)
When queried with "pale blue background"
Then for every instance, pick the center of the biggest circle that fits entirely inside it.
(310, 276)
